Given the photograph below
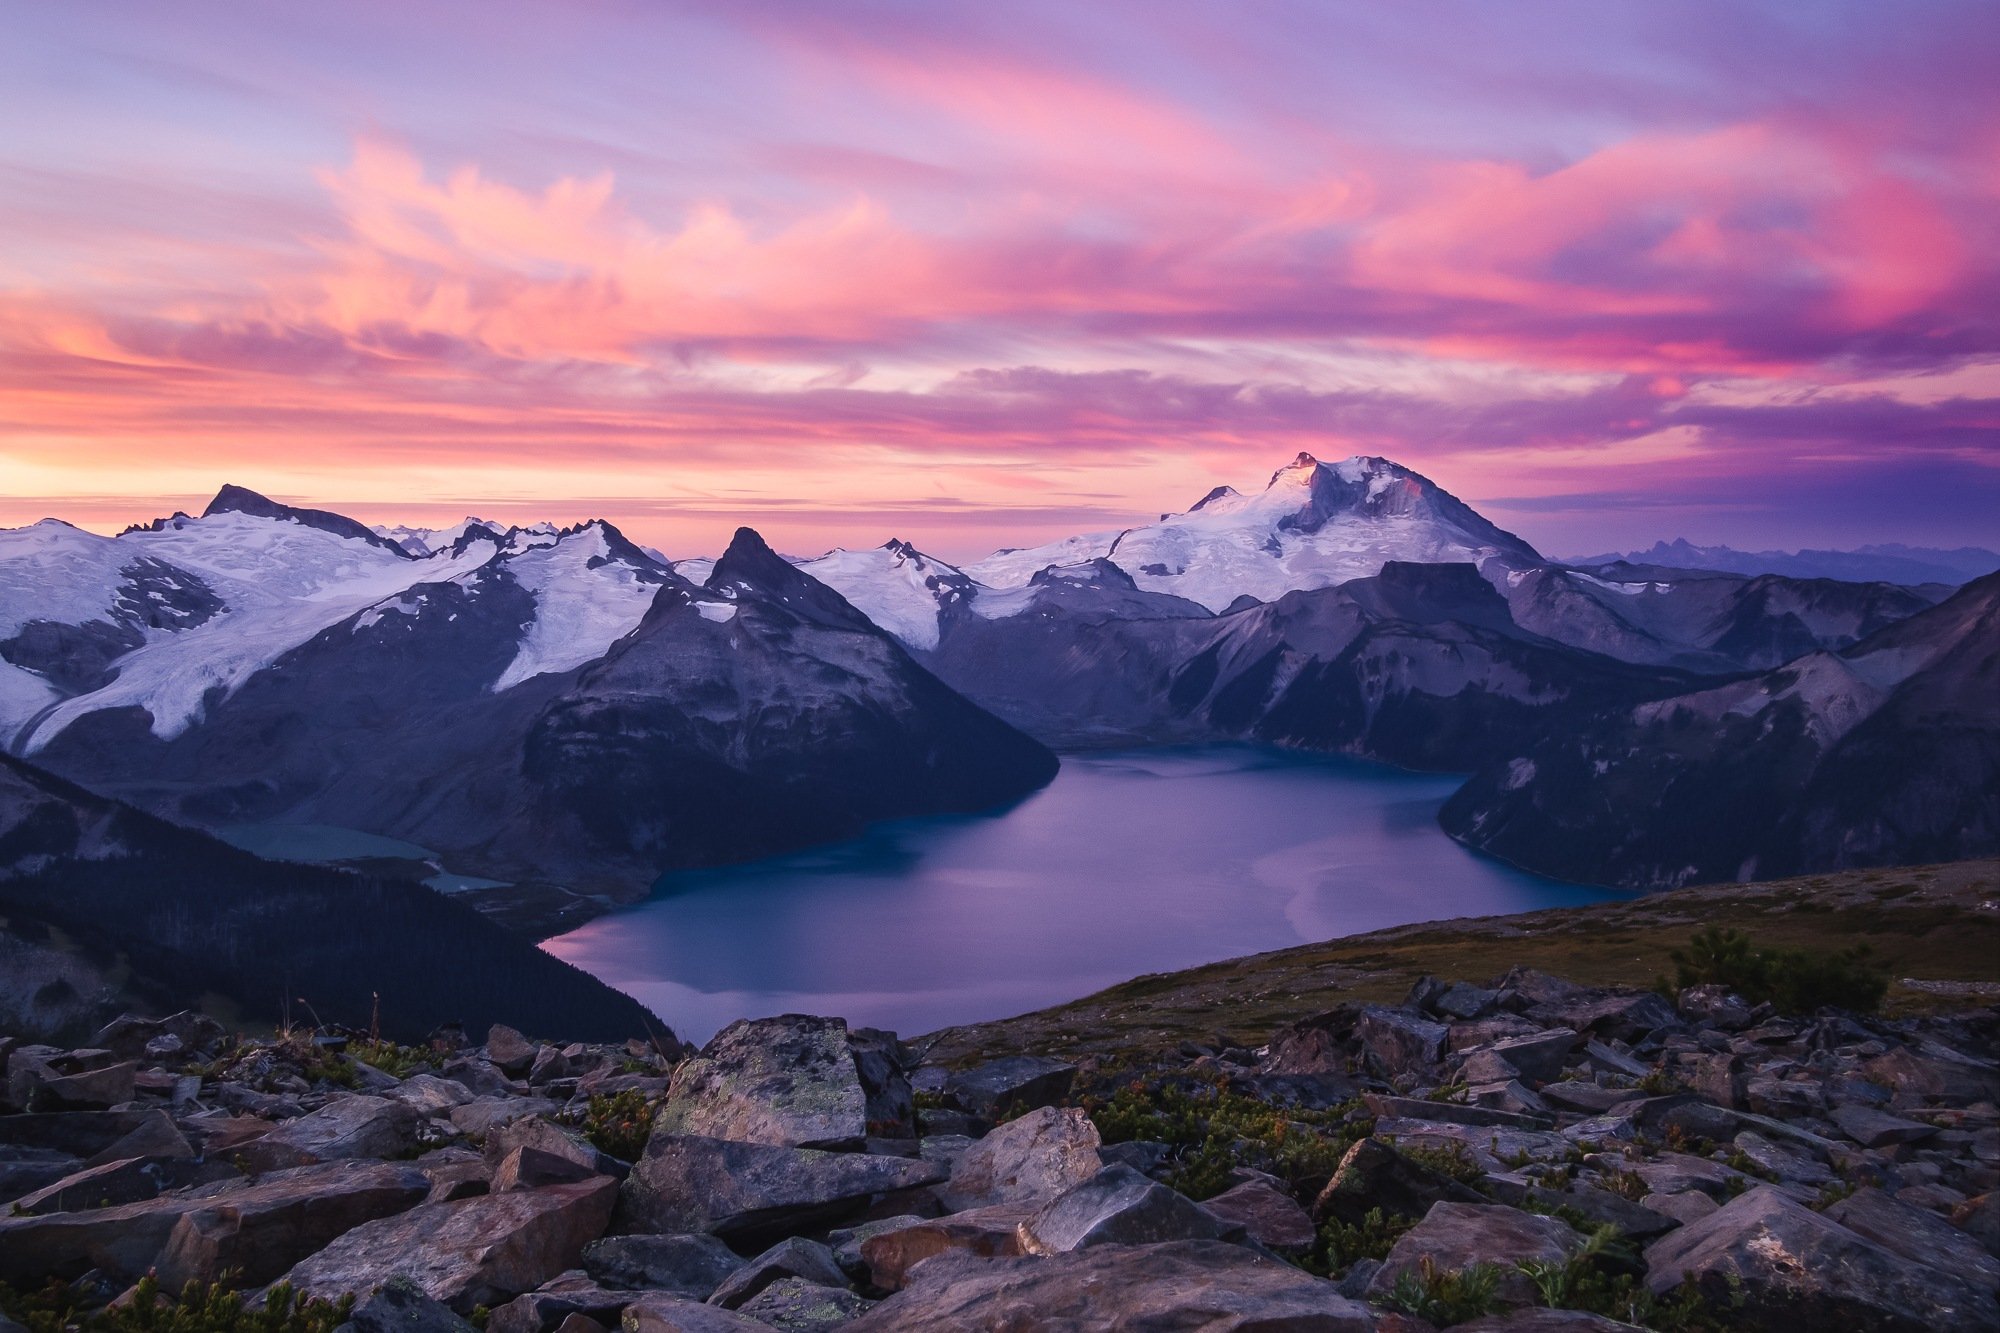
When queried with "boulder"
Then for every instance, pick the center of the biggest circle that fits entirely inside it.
(1452, 1113)
(348, 1127)
(257, 1226)
(1453, 1236)
(128, 1035)
(794, 1257)
(431, 1095)
(880, 1061)
(1546, 1321)
(1002, 1088)
(797, 1305)
(1979, 1218)
(1921, 1237)
(546, 1136)
(1267, 1215)
(1716, 1006)
(526, 1168)
(1374, 1175)
(752, 1192)
(1779, 1265)
(483, 1115)
(789, 1081)
(86, 1089)
(1878, 1129)
(1539, 1058)
(569, 1295)
(1045, 1152)
(400, 1306)
(1117, 1206)
(688, 1264)
(657, 1312)
(986, 1233)
(508, 1051)
(126, 1181)
(469, 1252)
(1394, 1043)
(1205, 1285)
(25, 1170)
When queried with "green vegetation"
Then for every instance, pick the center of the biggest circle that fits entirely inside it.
(392, 1059)
(1602, 1278)
(1796, 981)
(1341, 1245)
(200, 1308)
(619, 1123)
(1445, 1297)
(1212, 1131)
(1453, 1161)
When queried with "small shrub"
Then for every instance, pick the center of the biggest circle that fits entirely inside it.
(200, 1308)
(619, 1123)
(1444, 1298)
(1796, 981)
(1340, 1245)
(1212, 1131)
(1626, 1185)
(1454, 1161)
(393, 1060)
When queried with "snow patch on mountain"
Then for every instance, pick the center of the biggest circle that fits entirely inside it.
(895, 585)
(281, 583)
(589, 593)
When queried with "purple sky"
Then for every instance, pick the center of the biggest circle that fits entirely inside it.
(988, 274)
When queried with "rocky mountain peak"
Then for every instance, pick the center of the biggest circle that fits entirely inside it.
(234, 499)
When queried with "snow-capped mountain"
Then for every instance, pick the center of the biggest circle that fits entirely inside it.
(543, 705)
(897, 586)
(1315, 525)
(189, 608)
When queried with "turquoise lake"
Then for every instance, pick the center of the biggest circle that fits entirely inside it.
(1129, 862)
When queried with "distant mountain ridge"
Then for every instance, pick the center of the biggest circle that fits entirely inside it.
(1891, 563)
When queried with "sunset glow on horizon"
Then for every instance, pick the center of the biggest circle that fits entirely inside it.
(984, 276)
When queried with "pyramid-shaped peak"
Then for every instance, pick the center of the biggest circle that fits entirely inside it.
(234, 499)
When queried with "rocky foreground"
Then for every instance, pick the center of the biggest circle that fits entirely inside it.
(1526, 1155)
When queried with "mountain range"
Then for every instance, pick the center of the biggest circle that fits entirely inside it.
(545, 719)
(1890, 563)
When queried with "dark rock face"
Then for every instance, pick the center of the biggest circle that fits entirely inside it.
(1456, 1236)
(1886, 752)
(690, 1265)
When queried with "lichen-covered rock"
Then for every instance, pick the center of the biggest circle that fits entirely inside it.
(399, 1306)
(256, 1226)
(1035, 1157)
(1206, 1285)
(658, 1312)
(789, 1081)
(1117, 1206)
(988, 1233)
(792, 1257)
(471, 1252)
(1267, 1215)
(1776, 1264)
(349, 1127)
(1455, 1236)
(1919, 1236)
(689, 1264)
(1006, 1087)
(1395, 1043)
(797, 1305)
(756, 1192)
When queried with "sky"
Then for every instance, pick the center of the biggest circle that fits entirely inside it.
(984, 275)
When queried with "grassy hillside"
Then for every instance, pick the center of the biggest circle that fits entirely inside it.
(1935, 928)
